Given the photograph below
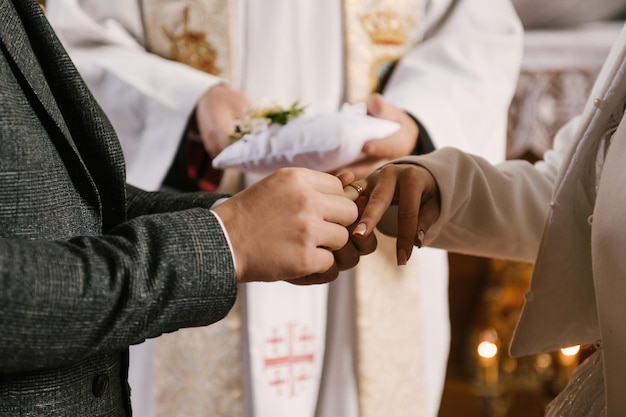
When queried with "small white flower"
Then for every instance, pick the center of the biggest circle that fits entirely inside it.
(258, 119)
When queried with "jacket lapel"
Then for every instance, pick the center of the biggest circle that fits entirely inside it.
(16, 42)
(90, 145)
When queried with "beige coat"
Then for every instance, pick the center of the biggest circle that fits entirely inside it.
(550, 213)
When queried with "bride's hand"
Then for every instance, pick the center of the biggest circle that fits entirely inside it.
(412, 189)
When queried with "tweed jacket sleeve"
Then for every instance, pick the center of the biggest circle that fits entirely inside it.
(140, 202)
(64, 300)
(87, 266)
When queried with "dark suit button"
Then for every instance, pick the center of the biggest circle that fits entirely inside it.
(100, 385)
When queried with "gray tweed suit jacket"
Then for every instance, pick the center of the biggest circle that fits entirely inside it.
(88, 265)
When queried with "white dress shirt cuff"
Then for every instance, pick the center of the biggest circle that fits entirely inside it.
(219, 220)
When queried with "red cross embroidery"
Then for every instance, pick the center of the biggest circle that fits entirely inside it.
(290, 361)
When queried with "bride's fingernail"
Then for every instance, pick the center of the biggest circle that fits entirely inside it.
(360, 229)
(420, 238)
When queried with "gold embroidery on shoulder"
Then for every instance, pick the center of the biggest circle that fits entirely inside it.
(192, 47)
(198, 33)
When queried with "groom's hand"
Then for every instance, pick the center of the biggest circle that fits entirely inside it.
(291, 225)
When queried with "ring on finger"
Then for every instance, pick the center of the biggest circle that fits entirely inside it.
(357, 187)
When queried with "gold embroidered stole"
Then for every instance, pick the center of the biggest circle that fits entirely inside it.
(200, 33)
(390, 361)
(388, 317)
(378, 33)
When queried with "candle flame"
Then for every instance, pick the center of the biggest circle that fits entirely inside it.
(570, 351)
(487, 350)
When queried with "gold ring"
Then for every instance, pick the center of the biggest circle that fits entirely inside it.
(358, 187)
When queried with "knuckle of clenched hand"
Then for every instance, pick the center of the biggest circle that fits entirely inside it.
(343, 236)
(306, 230)
(305, 202)
(289, 175)
(410, 173)
(307, 262)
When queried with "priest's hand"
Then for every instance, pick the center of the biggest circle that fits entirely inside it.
(217, 112)
(290, 226)
(379, 151)
(411, 191)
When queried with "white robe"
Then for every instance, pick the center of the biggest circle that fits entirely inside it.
(458, 82)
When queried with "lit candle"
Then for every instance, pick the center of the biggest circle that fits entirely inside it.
(488, 358)
(568, 358)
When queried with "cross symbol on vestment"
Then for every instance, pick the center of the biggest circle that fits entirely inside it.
(286, 364)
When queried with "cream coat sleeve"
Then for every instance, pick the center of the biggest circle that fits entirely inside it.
(459, 81)
(149, 109)
(496, 211)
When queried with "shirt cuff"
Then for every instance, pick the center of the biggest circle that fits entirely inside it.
(219, 220)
